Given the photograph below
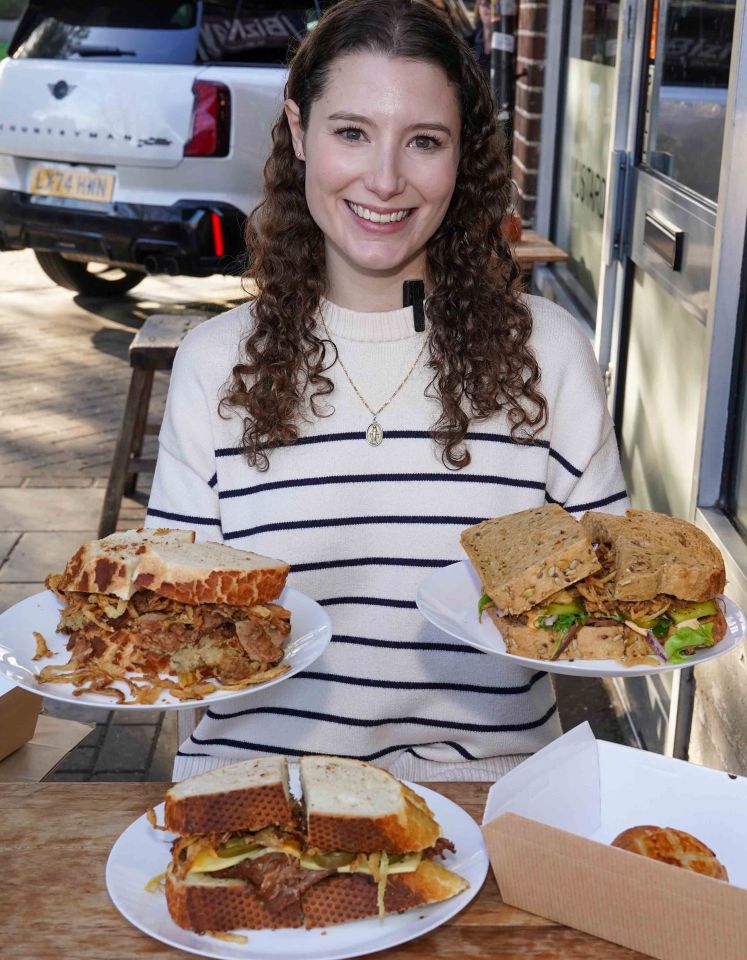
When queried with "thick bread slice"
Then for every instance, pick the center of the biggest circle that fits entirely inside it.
(351, 805)
(590, 643)
(109, 565)
(203, 903)
(211, 573)
(243, 796)
(339, 899)
(655, 553)
(525, 557)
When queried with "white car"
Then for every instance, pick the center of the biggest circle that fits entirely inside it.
(133, 134)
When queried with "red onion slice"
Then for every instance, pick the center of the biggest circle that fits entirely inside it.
(655, 645)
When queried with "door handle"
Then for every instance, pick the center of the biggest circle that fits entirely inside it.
(665, 238)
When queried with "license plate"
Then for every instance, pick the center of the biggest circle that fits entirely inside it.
(72, 184)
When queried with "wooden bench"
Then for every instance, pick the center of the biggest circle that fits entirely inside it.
(153, 348)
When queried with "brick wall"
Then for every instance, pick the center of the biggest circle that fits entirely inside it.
(530, 61)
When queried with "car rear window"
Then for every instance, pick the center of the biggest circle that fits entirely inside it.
(136, 30)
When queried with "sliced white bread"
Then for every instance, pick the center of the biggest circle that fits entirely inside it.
(170, 563)
(242, 796)
(525, 557)
(355, 806)
(108, 565)
(210, 573)
(654, 553)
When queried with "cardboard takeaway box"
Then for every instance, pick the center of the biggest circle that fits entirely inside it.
(19, 710)
(549, 822)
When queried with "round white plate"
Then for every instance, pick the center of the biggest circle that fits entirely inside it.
(449, 598)
(141, 853)
(310, 633)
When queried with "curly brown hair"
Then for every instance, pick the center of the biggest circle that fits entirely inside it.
(478, 328)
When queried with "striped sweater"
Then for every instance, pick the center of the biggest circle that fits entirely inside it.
(362, 526)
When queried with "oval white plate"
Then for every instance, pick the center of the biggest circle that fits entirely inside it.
(310, 633)
(449, 598)
(141, 853)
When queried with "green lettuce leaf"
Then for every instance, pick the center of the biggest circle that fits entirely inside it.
(684, 639)
(483, 603)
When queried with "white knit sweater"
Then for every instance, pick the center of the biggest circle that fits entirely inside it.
(362, 526)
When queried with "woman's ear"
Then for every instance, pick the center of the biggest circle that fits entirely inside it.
(293, 116)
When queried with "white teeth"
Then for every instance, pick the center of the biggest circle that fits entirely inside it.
(375, 217)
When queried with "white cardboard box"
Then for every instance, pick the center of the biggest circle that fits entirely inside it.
(549, 822)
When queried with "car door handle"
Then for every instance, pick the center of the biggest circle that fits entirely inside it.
(665, 238)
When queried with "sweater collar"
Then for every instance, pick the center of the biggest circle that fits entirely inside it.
(347, 324)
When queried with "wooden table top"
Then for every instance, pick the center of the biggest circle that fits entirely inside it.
(533, 248)
(55, 839)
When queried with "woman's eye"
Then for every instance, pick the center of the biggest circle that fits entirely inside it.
(352, 134)
(424, 142)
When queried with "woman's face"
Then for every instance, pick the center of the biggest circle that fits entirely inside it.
(381, 152)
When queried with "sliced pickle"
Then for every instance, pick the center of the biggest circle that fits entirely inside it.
(693, 611)
(333, 861)
(236, 848)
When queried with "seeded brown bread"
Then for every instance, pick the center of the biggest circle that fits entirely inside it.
(242, 796)
(523, 558)
(590, 643)
(204, 903)
(341, 898)
(654, 553)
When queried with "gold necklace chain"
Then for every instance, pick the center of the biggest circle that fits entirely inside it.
(374, 432)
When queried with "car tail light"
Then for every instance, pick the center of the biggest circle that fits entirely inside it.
(218, 242)
(211, 120)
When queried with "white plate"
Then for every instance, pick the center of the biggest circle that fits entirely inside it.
(310, 633)
(449, 598)
(141, 853)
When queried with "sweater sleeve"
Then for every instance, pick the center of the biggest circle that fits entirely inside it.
(584, 471)
(184, 493)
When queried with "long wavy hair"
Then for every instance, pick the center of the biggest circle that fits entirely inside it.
(478, 328)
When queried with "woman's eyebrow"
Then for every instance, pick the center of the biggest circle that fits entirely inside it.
(359, 118)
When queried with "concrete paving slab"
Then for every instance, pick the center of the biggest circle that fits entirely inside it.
(126, 747)
(11, 593)
(32, 510)
(162, 762)
(38, 554)
(71, 711)
(7, 542)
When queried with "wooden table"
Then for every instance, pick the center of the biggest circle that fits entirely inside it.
(55, 839)
(533, 248)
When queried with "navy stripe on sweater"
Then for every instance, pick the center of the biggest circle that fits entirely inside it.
(369, 602)
(369, 562)
(596, 504)
(268, 748)
(346, 522)
(406, 644)
(183, 518)
(381, 722)
(382, 478)
(417, 685)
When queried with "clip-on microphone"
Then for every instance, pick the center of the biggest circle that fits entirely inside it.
(413, 294)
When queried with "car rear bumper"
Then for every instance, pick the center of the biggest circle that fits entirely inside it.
(189, 238)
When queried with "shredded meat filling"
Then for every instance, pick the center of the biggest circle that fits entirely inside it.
(278, 878)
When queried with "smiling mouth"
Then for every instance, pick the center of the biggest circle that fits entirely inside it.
(365, 213)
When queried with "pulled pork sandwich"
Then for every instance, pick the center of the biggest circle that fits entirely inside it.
(249, 856)
(643, 588)
(143, 604)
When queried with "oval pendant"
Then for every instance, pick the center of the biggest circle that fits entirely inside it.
(374, 434)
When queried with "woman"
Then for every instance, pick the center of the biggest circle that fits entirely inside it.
(317, 425)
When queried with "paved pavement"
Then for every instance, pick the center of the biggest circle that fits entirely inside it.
(63, 379)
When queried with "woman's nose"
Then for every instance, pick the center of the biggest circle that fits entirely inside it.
(384, 176)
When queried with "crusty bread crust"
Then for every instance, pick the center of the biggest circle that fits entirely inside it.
(655, 553)
(169, 563)
(228, 810)
(668, 845)
(339, 899)
(230, 905)
(525, 557)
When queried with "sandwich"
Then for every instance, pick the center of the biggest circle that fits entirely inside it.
(676, 847)
(154, 602)
(249, 856)
(643, 588)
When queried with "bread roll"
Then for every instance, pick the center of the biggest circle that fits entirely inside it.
(672, 846)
